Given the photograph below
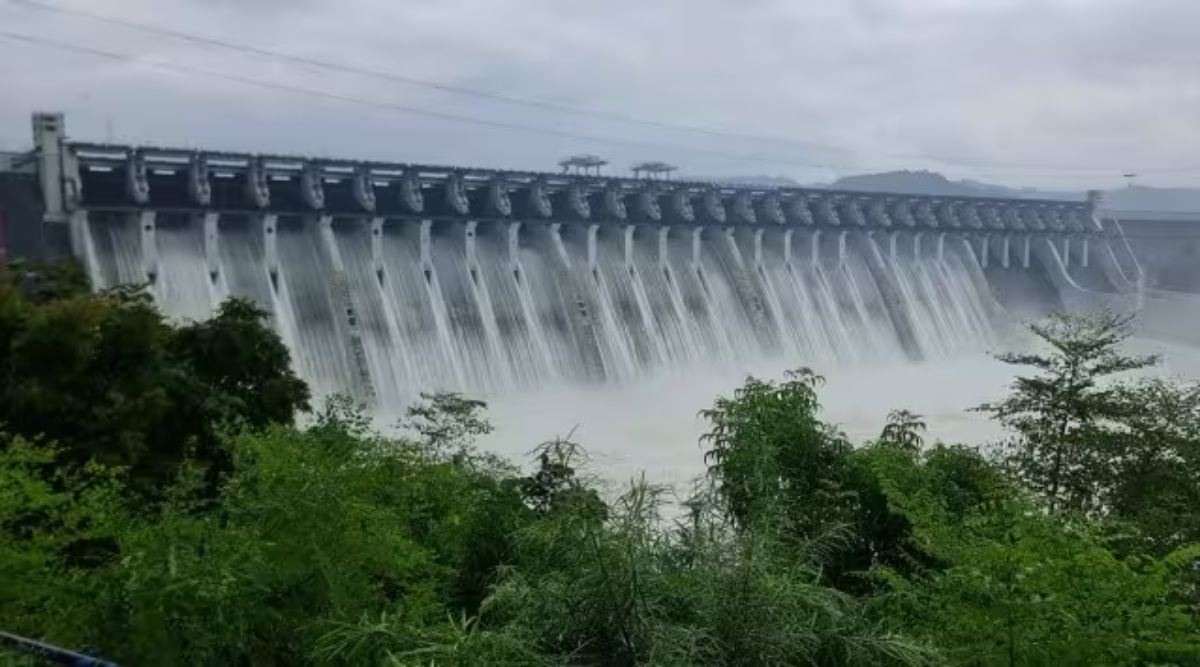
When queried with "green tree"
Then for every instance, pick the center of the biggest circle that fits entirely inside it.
(446, 422)
(777, 466)
(1023, 588)
(903, 430)
(1058, 413)
(1153, 462)
(107, 378)
(40, 282)
(556, 484)
(58, 528)
(1016, 586)
(242, 363)
(314, 539)
(773, 459)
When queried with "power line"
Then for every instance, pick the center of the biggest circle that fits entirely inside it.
(391, 106)
(345, 68)
(413, 81)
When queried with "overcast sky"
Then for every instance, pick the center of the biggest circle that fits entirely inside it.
(1023, 92)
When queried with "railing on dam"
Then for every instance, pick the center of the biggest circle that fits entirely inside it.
(108, 177)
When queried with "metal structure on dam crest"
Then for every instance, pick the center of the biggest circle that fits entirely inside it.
(161, 209)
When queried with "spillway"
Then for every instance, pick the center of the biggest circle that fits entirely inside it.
(388, 279)
(487, 323)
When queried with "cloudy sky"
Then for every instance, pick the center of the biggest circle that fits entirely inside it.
(1056, 93)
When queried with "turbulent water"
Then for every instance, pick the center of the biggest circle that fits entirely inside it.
(376, 315)
(622, 349)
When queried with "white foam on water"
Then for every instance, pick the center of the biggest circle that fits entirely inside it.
(622, 353)
(654, 425)
(625, 350)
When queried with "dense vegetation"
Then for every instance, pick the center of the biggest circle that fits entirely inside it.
(160, 505)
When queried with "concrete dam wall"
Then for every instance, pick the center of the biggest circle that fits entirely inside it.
(385, 279)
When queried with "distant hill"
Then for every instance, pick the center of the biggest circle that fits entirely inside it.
(932, 183)
(915, 182)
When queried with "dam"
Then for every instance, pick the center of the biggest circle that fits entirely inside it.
(386, 279)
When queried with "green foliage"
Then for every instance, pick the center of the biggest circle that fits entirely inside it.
(555, 486)
(1056, 414)
(42, 282)
(331, 544)
(313, 531)
(458, 642)
(626, 591)
(241, 363)
(777, 467)
(903, 430)
(1152, 457)
(447, 422)
(106, 378)
(1015, 585)
(1026, 588)
(57, 527)
(773, 459)
(1128, 452)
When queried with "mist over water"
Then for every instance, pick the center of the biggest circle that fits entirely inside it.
(654, 426)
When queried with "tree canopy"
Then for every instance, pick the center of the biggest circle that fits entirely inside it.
(159, 505)
(107, 379)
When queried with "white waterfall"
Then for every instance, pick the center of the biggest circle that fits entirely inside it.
(465, 311)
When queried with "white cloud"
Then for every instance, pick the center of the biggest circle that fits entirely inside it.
(1108, 84)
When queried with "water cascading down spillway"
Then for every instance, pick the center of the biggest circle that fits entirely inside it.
(387, 280)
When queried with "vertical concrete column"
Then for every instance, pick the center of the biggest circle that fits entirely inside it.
(815, 248)
(212, 251)
(339, 283)
(593, 231)
(513, 243)
(983, 251)
(325, 229)
(941, 247)
(841, 248)
(787, 246)
(377, 246)
(627, 238)
(758, 242)
(47, 139)
(697, 238)
(1004, 252)
(147, 223)
(893, 237)
(271, 245)
(1083, 254)
(469, 230)
(426, 240)
(1025, 252)
(1066, 251)
(664, 258)
(730, 235)
(555, 231)
(80, 245)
